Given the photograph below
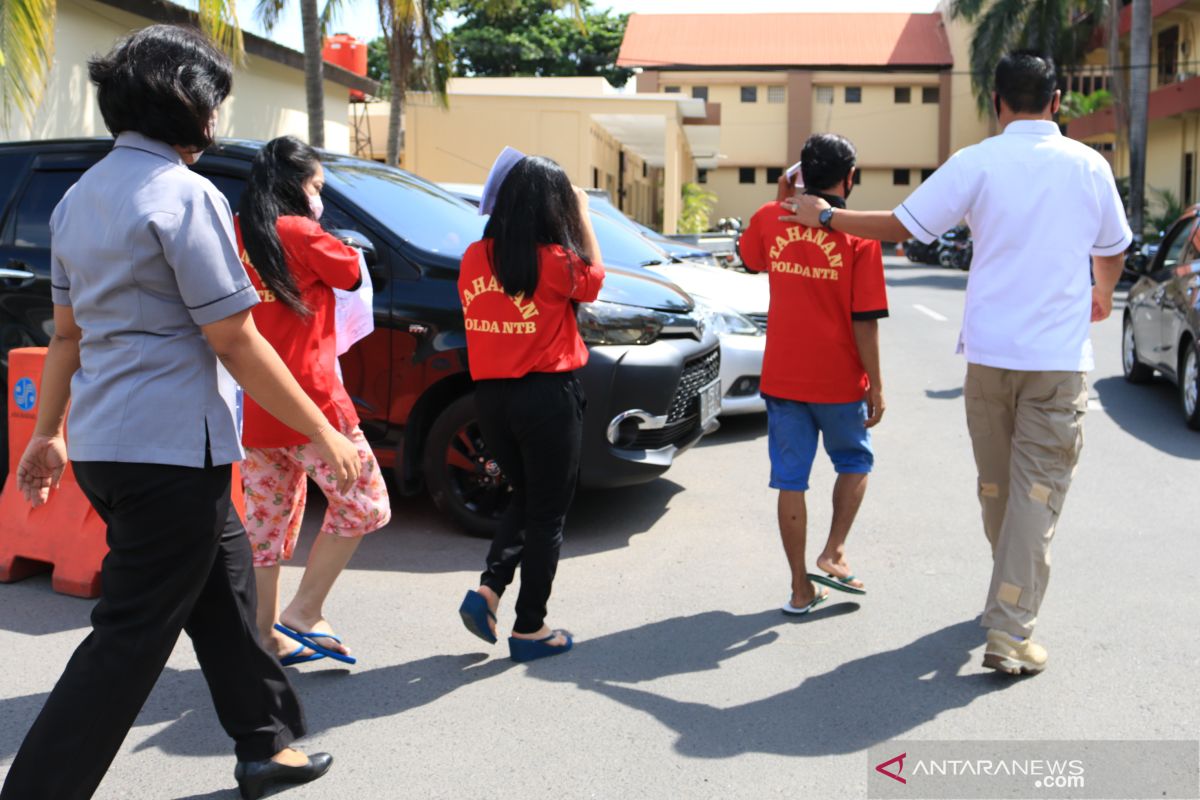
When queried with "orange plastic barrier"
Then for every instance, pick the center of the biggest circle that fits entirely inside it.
(65, 534)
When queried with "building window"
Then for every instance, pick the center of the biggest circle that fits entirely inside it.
(749, 94)
(1168, 54)
(903, 94)
(926, 174)
(825, 95)
(774, 174)
(746, 174)
(775, 94)
(595, 178)
(857, 177)
(645, 170)
(672, 89)
(700, 93)
(930, 94)
(701, 176)
(900, 177)
(1189, 176)
(853, 94)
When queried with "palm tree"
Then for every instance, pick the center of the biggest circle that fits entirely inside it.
(314, 26)
(27, 46)
(1060, 28)
(1139, 106)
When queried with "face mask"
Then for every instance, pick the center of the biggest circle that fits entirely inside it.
(314, 203)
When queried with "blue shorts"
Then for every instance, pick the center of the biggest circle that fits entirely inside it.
(792, 429)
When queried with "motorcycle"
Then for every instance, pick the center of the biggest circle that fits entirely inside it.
(920, 253)
(954, 248)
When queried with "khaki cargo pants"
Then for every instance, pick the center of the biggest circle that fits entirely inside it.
(1026, 430)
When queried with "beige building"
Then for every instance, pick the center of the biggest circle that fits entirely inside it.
(886, 81)
(641, 148)
(268, 91)
(1173, 140)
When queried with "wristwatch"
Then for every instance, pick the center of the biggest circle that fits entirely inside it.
(826, 219)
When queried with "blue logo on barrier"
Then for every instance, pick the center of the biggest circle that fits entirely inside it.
(25, 393)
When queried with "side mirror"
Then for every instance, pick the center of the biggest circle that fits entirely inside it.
(359, 241)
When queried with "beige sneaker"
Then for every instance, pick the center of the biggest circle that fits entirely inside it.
(1006, 654)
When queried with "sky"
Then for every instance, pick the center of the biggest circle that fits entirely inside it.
(360, 17)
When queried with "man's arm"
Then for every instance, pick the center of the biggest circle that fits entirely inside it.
(866, 336)
(880, 225)
(1107, 271)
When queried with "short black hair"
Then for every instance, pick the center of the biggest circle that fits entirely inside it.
(1026, 80)
(826, 160)
(163, 81)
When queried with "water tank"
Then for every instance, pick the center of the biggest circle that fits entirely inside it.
(349, 53)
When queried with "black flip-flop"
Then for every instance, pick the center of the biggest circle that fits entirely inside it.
(834, 582)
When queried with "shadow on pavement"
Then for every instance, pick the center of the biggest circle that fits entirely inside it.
(856, 705)
(948, 280)
(33, 608)
(737, 428)
(1150, 413)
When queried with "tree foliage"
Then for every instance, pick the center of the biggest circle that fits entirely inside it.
(533, 37)
(697, 206)
(1062, 29)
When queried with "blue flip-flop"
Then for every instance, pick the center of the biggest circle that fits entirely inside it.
(523, 650)
(475, 614)
(309, 641)
(294, 657)
(834, 582)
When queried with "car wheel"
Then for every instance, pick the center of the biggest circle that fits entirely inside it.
(1189, 387)
(1135, 371)
(945, 258)
(462, 476)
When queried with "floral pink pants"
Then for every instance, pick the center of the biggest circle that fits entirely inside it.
(276, 486)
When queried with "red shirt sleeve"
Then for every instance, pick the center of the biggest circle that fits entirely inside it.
(304, 240)
(588, 278)
(750, 245)
(868, 298)
(570, 275)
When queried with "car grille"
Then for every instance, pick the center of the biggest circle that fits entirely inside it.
(698, 372)
(760, 320)
(667, 435)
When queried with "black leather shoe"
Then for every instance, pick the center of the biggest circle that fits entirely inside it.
(256, 777)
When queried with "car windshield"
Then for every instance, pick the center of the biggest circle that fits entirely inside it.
(622, 247)
(421, 213)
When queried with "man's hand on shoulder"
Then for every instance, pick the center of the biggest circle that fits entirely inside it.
(805, 209)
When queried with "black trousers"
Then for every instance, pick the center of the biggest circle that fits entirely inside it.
(178, 560)
(534, 428)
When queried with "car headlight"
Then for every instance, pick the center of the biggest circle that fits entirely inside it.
(602, 322)
(724, 320)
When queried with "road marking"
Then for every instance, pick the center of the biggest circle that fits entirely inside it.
(929, 312)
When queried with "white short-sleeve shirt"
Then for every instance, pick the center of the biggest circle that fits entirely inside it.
(1039, 206)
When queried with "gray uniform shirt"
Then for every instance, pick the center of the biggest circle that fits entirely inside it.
(143, 251)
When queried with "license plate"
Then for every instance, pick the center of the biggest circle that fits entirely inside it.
(710, 402)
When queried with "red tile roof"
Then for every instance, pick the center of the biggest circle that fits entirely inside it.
(779, 40)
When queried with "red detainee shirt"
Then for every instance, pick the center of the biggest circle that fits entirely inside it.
(510, 337)
(821, 282)
(319, 263)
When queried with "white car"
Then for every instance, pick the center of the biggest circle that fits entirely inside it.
(736, 303)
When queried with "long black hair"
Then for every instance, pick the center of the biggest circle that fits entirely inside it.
(276, 189)
(163, 81)
(535, 206)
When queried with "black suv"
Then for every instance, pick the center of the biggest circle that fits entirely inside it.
(650, 379)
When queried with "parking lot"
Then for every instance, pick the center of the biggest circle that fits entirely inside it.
(687, 682)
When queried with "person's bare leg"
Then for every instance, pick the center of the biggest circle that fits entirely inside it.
(493, 601)
(267, 581)
(290, 758)
(330, 555)
(558, 641)
(848, 494)
(793, 530)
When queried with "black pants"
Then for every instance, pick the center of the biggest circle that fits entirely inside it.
(178, 560)
(534, 428)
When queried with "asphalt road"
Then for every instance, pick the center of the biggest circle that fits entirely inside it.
(687, 682)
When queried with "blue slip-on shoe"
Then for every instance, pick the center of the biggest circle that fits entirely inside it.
(309, 640)
(523, 650)
(475, 614)
(294, 657)
(834, 582)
